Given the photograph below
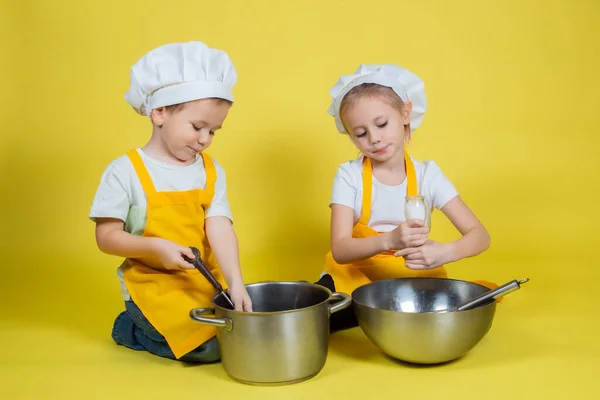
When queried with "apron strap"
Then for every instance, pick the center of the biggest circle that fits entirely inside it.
(367, 178)
(411, 176)
(211, 173)
(146, 180)
(142, 172)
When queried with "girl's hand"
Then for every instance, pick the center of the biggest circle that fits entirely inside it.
(171, 254)
(240, 297)
(428, 256)
(409, 234)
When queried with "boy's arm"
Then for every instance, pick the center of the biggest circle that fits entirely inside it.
(224, 244)
(112, 239)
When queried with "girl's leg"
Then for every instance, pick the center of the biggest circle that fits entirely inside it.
(343, 319)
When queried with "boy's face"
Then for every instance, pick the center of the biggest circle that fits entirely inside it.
(376, 128)
(189, 129)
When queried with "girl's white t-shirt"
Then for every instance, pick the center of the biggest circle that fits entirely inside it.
(387, 202)
(120, 194)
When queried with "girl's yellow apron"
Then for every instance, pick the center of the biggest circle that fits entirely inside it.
(165, 297)
(348, 277)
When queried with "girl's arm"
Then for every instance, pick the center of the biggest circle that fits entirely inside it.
(346, 249)
(475, 240)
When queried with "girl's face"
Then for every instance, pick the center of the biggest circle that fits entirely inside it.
(376, 128)
(189, 130)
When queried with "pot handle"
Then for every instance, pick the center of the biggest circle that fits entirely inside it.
(344, 303)
(224, 323)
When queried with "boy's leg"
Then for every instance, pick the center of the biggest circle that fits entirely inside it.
(343, 319)
(133, 330)
(123, 332)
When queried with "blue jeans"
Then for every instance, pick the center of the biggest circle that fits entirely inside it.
(131, 329)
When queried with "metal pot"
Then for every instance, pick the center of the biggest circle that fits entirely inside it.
(284, 340)
(408, 318)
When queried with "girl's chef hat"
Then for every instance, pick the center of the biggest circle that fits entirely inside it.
(406, 85)
(177, 73)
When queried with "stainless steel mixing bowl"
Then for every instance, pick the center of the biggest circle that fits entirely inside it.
(404, 317)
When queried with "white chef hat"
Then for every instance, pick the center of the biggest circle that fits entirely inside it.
(406, 85)
(177, 73)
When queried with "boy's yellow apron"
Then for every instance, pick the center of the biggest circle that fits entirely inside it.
(348, 277)
(165, 297)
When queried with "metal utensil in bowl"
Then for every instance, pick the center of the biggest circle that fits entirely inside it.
(402, 317)
(494, 294)
(283, 340)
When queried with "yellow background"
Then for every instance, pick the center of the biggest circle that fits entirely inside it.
(512, 120)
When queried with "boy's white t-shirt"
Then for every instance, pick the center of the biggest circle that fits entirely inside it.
(120, 194)
(387, 202)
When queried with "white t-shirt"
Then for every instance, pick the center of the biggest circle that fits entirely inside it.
(120, 194)
(387, 202)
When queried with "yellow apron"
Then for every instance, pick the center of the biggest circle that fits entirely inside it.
(348, 277)
(165, 297)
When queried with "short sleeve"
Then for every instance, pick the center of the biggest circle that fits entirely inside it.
(219, 207)
(344, 189)
(112, 199)
(440, 189)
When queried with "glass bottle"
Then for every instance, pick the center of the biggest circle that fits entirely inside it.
(415, 208)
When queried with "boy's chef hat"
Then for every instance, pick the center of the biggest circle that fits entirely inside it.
(406, 85)
(177, 73)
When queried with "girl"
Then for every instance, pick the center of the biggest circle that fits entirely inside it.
(379, 107)
(156, 202)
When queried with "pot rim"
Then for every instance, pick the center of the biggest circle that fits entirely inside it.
(263, 313)
(491, 303)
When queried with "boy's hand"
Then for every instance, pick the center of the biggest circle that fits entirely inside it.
(171, 254)
(428, 256)
(411, 233)
(240, 297)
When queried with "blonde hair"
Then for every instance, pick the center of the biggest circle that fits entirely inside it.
(385, 93)
(178, 107)
(371, 89)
